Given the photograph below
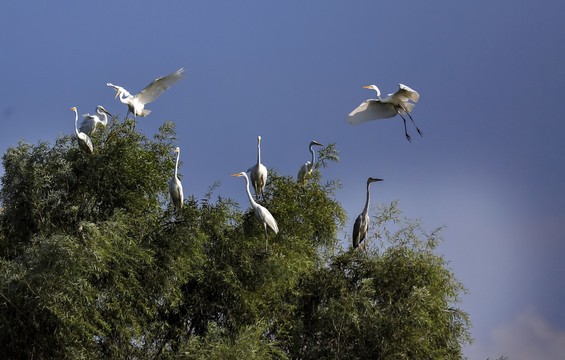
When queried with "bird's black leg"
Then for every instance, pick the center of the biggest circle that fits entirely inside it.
(419, 132)
(405, 131)
(266, 239)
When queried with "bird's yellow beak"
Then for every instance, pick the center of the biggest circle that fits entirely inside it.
(237, 174)
(117, 93)
(73, 108)
(366, 87)
(176, 150)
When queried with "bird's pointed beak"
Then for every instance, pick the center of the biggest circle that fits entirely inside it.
(73, 108)
(107, 112)
(117, 93)
(366, 87)
(237, 174)
(317, 143)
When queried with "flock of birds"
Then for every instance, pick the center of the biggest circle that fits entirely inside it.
(397, 103)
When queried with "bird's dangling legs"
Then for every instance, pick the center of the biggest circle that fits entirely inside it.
(405, 131)
(266, 239)
(419, 132)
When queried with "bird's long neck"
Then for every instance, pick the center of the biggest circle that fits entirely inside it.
(366, 209)
(123, 98)
(103, 115)
(258, 154)
(177, 165)
(313, 154)
(76, 121)
(253, 203)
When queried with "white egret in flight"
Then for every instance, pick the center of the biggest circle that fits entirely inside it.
(175, 186)
(258, 172)
(91, 122)
(261, 213)
(306, 168)
(84, 141)
(136, 103)
(395, 104)
(361, 226)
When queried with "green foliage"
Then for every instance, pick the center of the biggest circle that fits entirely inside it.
(94, 264)
(393, 305)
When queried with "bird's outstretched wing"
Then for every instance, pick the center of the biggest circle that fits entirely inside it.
(371, 109)
(406, 93)
(158, 86)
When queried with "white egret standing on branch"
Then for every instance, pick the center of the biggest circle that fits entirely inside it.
(261, 213)
(395, 104)
(306, 168)
(258, 172)
(91, 122)
(361, 226)
(136, 103)
(84, 141)
(175, 186)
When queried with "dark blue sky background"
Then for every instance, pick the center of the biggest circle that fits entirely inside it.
(490, 74)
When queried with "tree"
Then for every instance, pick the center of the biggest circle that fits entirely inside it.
(393, 303)
(96, 264)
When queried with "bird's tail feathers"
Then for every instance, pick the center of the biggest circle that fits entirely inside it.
(145, 112)
(407, 108)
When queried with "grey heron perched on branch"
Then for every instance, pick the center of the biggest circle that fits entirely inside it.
(361, 226)
(306, 168)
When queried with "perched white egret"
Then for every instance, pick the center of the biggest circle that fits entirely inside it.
(361, 226)
(175, 186)
(84, 141)
(91, 122)
(261, 213)
(258, 172)
(306, 168)
(395, 104)
(136, 103)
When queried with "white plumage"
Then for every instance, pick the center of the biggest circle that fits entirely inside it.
(175, 186)
(84, 141)
(261, 213)
(258, 172)
(397, 103)
(136, 103)
(91, 122)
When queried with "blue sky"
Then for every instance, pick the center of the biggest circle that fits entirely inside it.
(490, 75)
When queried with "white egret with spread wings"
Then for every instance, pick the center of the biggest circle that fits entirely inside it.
(136, 103)
(395, 104)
